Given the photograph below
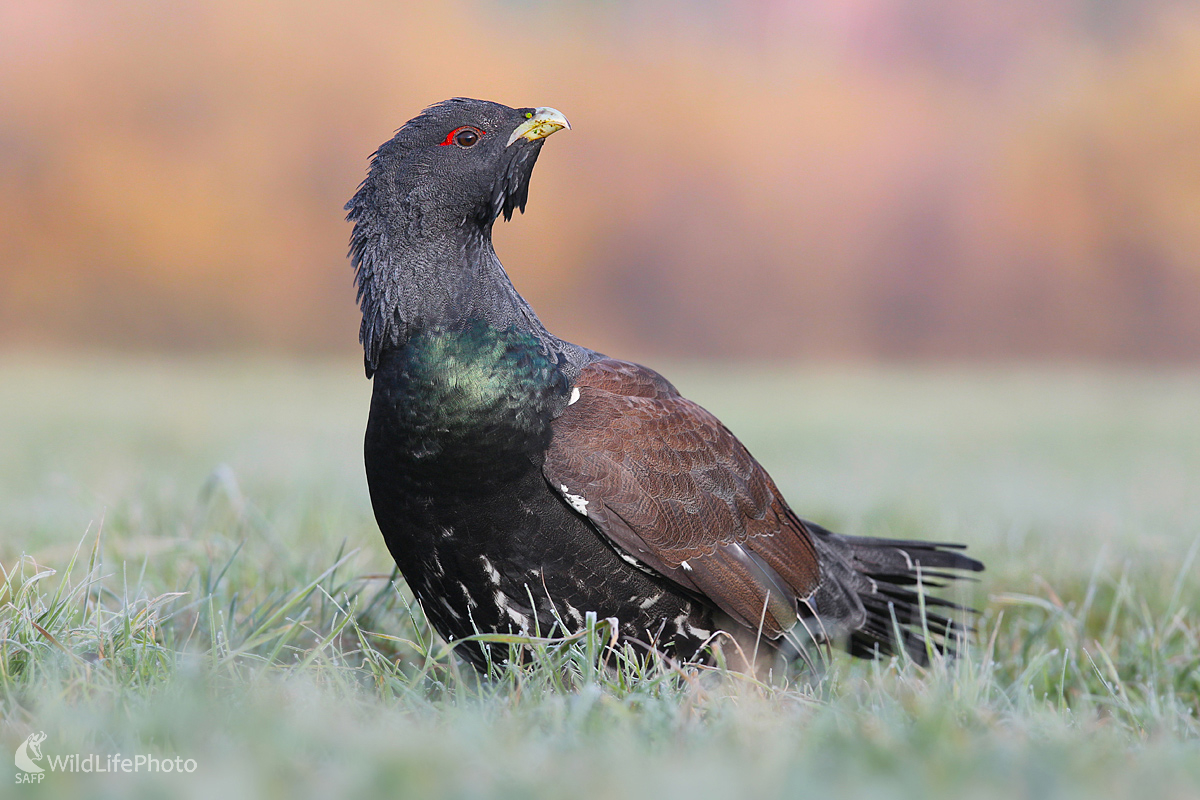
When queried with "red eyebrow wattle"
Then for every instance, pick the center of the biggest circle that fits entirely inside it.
(450, 136)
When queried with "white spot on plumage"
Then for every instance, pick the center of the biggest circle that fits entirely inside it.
(574, 396)
(504, 608)
(449, 608)
(628, 559)
(686, 566)
(519, 619)
(501, 600)
(492, 573)
(576, 501)
(649, 601)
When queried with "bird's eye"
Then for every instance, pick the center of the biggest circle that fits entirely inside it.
(466, 136)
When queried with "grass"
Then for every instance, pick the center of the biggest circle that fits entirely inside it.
(192, 569)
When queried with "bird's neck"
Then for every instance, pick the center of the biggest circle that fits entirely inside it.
(410, 281)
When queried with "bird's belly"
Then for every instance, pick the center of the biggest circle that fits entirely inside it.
(490, 548)
(493, 549)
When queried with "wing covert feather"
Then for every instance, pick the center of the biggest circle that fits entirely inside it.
(671, 487)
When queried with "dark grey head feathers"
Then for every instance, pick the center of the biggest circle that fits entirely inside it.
(421, 245)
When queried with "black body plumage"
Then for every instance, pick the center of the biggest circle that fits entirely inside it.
(522, 481)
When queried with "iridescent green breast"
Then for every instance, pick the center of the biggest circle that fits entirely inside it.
(477, 386)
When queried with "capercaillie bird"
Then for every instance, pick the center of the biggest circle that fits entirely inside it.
(521, 480)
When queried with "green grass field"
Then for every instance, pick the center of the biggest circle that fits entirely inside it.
(192, 570)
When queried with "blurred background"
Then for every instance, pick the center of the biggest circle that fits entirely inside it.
(767, 179)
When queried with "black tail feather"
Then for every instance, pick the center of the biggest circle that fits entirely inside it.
(874, 592)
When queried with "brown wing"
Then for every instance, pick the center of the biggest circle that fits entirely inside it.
(671, 487)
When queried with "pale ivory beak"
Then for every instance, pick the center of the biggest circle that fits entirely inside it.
(544, 122)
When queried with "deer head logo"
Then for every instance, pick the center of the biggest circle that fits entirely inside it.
(30, 751)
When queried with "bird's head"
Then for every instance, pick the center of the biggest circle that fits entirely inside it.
(460, 161)
(421, 245)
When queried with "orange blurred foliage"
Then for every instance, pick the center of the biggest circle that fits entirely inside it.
(878, 178)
